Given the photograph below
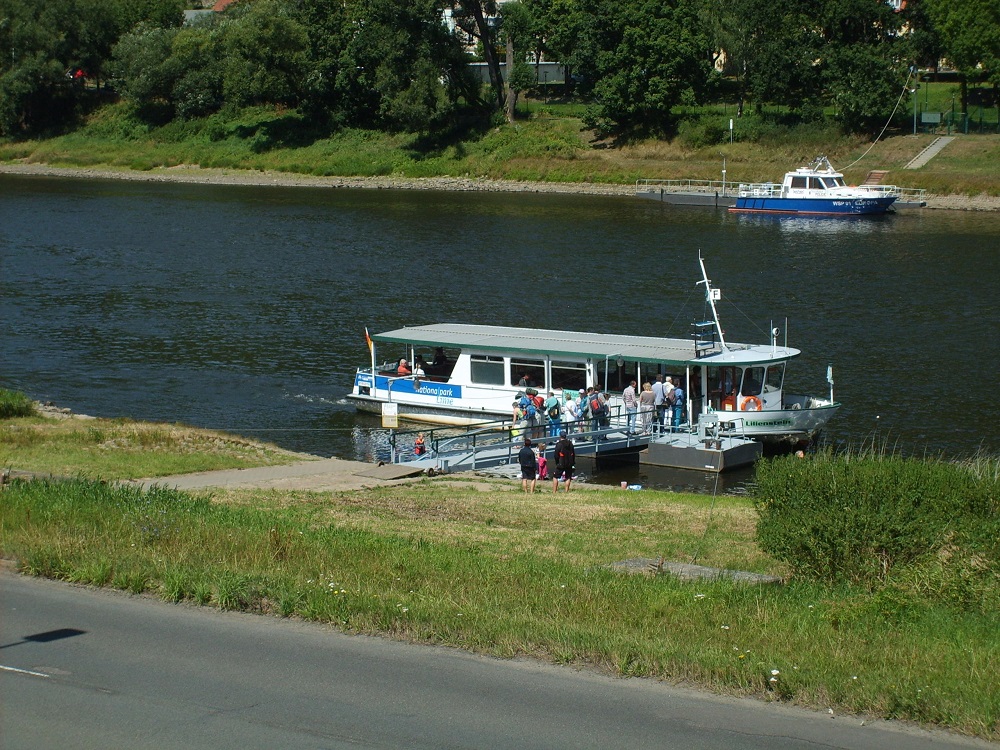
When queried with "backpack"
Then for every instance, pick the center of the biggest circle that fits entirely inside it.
(596, 407)
(531, 411)
(554, 411)
(565, 454)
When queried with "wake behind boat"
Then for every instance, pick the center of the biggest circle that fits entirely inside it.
(461, 374)
(817, 190)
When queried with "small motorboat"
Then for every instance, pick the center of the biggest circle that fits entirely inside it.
(817, 190)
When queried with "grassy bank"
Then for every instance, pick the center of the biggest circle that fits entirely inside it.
(482, 566)
(122, 448)
(550, 145)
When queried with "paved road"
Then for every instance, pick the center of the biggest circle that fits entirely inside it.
(96, 669)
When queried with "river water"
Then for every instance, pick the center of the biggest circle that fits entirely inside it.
(243, 308)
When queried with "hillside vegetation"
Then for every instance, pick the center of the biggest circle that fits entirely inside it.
(548, 144)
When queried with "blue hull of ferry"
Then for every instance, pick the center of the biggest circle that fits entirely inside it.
(815, 206)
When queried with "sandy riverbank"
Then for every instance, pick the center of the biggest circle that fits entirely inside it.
(196, 175)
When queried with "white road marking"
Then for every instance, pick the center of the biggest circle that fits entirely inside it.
(5, 668)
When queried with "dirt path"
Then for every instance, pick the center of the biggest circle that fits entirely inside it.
(322, 475)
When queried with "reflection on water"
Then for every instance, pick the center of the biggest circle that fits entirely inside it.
(243, 308)
(821, 226)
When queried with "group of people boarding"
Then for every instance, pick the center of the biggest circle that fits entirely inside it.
(658, 408)
(662, 401)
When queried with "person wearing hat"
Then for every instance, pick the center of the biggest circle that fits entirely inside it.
(565, 456)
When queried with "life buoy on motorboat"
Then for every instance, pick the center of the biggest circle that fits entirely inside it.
(751, 403)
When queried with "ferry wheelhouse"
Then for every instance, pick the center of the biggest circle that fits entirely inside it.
(474, 373)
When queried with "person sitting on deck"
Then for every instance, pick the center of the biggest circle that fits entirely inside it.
(404, 368)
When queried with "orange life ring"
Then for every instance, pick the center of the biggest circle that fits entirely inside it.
(751, 403)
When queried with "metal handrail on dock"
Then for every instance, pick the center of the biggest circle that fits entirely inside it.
(708, 187)
(491, 444)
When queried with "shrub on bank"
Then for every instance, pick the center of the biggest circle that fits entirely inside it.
(929, 527)
(15, 404)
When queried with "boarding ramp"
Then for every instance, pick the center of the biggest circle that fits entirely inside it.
(487, 445)
(707, 446)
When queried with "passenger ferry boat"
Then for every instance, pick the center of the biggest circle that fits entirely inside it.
(817, 189)
(475, 373)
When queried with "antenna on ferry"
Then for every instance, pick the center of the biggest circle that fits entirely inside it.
(711, 295)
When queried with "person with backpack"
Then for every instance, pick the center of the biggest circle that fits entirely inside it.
(538, 401)
(593, 401)
(528, 462)
(553, 414)
(565, 457)
(677, 406)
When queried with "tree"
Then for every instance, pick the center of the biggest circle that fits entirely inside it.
(401, 69)
(142, 66)
(515, 33)
(38, 42)
(477, 18)
(328, 26)
(769, 47)
(861, 61)
(643, 57)
(970, 36)
(266, 53)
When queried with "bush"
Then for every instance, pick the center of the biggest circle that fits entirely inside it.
(702, 131)
(873, 519)
(15, 404)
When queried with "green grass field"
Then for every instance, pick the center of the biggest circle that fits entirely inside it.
(479, 565)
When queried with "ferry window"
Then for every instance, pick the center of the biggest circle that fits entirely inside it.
(721, 384)
(815, 183)
(753, 379)
(775, 374)
(569, 375)
(486, 370)
(799, 182)
(613, 376)
(527, 373)
(439, 362)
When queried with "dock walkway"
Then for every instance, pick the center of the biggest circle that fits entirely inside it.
(495, 444)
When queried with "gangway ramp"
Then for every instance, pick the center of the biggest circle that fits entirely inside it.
(489, 445)
(481, 450)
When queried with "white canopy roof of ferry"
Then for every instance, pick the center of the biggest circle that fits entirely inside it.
(577, 345)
